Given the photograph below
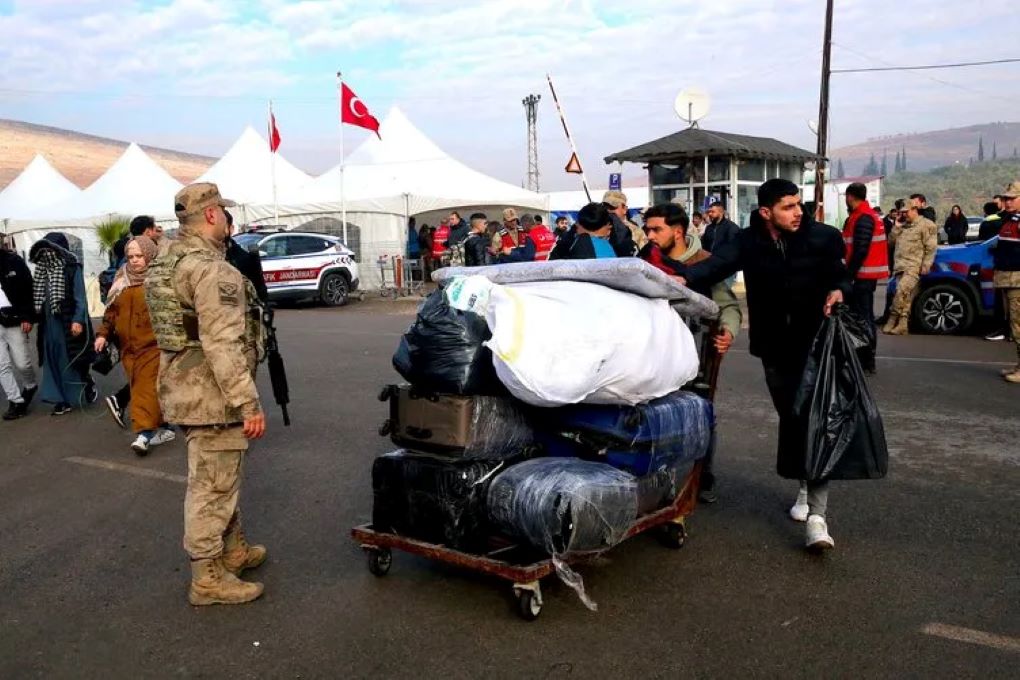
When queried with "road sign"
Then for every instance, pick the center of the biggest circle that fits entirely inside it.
(614, 181)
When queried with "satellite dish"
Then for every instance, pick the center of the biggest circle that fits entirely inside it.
(692, 104)
(813, 126)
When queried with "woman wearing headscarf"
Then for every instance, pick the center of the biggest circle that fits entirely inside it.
(956, 226)
(65, 332)
(127, 324)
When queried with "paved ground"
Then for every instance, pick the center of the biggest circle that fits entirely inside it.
(93, 578)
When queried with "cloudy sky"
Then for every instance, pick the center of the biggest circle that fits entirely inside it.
(190, 74)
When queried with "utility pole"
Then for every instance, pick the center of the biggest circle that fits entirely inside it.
(531, 112)
(823, 113)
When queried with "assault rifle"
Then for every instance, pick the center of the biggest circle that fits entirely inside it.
(277, 371)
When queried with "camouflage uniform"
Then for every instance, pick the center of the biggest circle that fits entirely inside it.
(1008, 283)
(915, 244)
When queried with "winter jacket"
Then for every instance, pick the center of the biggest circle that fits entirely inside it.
(717, 235)
(522, 249)
(16, 281)
(476, 250)
(956, 229)
(621, 237)
(582, 247)
(928, 212)
(1007, 250)
(916, 243)
(250, 265)
(788, 279)
(458, 233)
(989, 228)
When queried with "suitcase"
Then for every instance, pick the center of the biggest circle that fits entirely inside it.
(476, 427)
(437, 500)
(640, 439)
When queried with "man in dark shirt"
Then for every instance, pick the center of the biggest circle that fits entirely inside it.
(249, 264)
(720, 230)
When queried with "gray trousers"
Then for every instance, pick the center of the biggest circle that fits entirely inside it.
(15, 363)
(817, 496)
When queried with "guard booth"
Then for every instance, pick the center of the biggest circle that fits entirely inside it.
(696, 167)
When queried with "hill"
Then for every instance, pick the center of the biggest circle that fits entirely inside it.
(970, 186)
(927, 150)
(80, 157)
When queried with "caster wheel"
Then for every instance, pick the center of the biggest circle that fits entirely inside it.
(674, 535)
(528, 605)
(379, 561)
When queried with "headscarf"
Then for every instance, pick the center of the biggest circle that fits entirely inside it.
(50, 256)
(126, 276)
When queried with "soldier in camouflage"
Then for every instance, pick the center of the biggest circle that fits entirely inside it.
(915, 239)
(208, 327)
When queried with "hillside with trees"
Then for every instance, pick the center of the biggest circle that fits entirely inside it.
(969, 185)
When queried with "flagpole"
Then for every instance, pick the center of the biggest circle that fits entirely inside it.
(573, 148)
(272, 165)
(343, 198)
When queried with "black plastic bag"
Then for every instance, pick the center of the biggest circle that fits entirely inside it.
(442, 351)
(844, 436)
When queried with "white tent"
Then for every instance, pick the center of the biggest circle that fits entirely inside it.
(245, 175)
(403, 170)
(38, 184)
(134, 185)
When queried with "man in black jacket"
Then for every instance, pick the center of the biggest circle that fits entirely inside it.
(17, 312)
(476, 245)
(720, 230)
(794, 274)
(249, 264)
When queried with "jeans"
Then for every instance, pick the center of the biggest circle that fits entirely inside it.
(15, 363)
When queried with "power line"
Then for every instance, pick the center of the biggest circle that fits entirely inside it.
(925, 67)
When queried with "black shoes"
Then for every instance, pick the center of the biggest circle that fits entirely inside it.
(61, 410)
(116, 410)
(15, 411)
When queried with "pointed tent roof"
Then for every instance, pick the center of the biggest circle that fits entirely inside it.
(39, 184)
(134, 185)
(403, 160)
(245, 173)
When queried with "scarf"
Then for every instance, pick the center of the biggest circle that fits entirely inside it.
(49, 280)
(127, 277)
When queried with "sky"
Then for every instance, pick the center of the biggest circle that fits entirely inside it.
(191, 74)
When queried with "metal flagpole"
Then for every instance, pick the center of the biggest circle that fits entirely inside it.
(566, 130)
(272, 165)
(340, 110)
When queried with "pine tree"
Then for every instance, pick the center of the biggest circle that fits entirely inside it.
(995, 153)
(897, 166)
(872, 167)
(981, 149)
(840, 172)
(885, 163)
(903, 160)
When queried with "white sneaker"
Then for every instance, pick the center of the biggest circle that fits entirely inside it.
(818, 537)
(163, 435)
(140, 445)
(799, 511)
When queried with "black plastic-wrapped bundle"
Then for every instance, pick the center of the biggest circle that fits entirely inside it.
(442, 351)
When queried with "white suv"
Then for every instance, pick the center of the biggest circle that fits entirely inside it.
(301, 265)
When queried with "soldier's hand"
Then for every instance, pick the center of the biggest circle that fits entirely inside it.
(925, 270)
(255, 426)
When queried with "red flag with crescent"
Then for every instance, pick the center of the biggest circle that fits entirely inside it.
(354, 111)
(274, 133)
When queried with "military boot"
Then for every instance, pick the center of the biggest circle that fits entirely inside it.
(238, 555)
(212, 584)
(890, 323)
(902, 326)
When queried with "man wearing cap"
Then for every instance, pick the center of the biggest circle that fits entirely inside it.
(207, 323)
(915, 239)
(511, 243)
(627, 237)
(1007, 270)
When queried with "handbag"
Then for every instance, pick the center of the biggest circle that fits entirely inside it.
(105, 361)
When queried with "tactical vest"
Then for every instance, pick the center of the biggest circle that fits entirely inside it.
(876, 263)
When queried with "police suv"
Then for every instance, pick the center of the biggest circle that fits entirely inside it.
(302, 265)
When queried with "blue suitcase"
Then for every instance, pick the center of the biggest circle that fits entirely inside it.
(640, 439)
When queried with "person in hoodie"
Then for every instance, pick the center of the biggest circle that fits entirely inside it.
(672, 246)
(65, 332)
(592, 233)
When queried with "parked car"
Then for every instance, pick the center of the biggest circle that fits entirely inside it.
(957, 291)
(302, 265)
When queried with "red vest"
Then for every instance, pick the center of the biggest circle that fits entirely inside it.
(876, 264)
(543, 239)
(439, 237)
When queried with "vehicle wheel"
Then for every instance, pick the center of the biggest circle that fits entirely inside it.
(528, 605)
(379, 561)
(944, 309)
(334, 290)
(674, 535)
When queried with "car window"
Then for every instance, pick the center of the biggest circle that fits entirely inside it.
(304, 245)
(277, 246)
(246, 241)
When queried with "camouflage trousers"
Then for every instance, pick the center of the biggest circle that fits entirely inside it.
(906, 291)
(215, 455)
(1012, 296)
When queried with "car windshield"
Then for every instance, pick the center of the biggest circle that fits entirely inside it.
(246, 241)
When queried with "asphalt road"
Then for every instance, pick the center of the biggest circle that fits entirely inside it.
(93, 577)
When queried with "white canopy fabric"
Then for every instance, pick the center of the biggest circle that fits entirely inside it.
(245, 173)
(134, 185)
(39, 184)
(404, 162)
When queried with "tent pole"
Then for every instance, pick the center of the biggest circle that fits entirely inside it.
(343, 198)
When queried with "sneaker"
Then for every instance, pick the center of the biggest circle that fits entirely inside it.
(15, 411)
(996, 336)
(799, 511)
(818, 537)
(61, 410)
(1006, 371)
(162, 436)
(1013, 377)
(116, 411)
(140, 445)
(707, 496)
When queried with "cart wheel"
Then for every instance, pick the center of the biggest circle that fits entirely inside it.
(674, 535)
(528, 605)
(379, 561)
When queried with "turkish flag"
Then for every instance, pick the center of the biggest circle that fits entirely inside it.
(354, 111)
(274, 133)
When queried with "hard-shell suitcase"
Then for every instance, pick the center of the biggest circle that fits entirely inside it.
(459, 426)
(639, 439)
(437, 500)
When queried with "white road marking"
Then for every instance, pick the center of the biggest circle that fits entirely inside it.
(974, 637)
(129, 469)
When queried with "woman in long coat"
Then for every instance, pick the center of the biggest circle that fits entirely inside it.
(65, 331)
(127, 324)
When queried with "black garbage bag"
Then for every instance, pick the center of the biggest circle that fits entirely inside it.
(442, 351)
(844, 437)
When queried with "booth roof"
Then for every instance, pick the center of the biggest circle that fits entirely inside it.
(697, 143)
